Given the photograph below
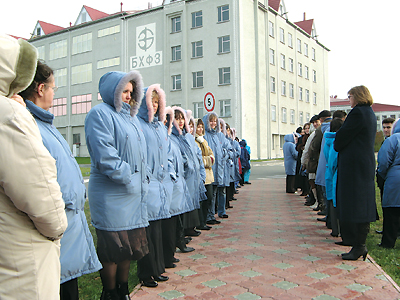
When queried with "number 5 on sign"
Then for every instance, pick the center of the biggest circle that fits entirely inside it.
(209, 102)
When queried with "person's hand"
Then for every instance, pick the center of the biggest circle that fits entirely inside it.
(19, 99)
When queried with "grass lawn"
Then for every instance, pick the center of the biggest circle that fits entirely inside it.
(83, 160)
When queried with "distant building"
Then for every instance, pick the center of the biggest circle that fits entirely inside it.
(382, 111)
(245, 60)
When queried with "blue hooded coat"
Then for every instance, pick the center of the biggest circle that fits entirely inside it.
(244, 155)
(229, 171)
(236, 148)
(158, 151)
(289, 154)
(118, 180)
(330, 156)
(77, 254)
(216, 139)
(320, 175)
(389, 167)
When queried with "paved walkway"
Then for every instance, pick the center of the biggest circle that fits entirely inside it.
(271, 247)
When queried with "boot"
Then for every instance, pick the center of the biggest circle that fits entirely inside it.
(123, 291)
(109, 295)
(356, 252)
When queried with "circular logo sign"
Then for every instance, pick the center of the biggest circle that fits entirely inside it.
(209, 102)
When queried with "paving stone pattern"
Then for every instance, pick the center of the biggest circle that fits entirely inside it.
(270, 247)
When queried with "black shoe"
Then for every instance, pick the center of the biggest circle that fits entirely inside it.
(236, 192)
(109, 295)
(321, 219)
(161, 278)
(355, 253)
(123, 291)
(321, 213)
(187, 239)
(341, 243)
(186, 250)
(246, 182)
(239, 186)
(334, 235)
(170, 266)
(205, 227)
(192, 232)
(149, 283)
(379, 231)
(230, 206)
(384, 246)
(234, 199)
(213, 222)
(309, 203)
(225, 216)
(174, 260)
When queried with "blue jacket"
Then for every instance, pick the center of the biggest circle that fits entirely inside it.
(236, 155)
(202, 171)
(215, 139)
(244, 155)
(118, 180)
(330, 156)
(78, 254)
(158, 147)
(320, 175)
(389, 168)
(289, 154)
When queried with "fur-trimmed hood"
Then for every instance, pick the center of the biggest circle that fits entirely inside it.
(196, 122)
(206, 121)
(175, 123)
(169, 117)
(146, 107)
(112, 84)
(222, 122)
(189, 114)
(18, 61)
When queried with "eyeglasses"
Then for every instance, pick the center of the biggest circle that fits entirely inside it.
(55, 88)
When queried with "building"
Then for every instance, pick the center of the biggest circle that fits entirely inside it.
(243, 59)
(382, 111)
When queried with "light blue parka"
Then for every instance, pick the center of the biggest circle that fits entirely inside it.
(78, 254)
(237, 149)
(389, 167)
(330, 156)
(289, 154)
(229, 165)
(320, 174)
(118, 180)
(158, 148)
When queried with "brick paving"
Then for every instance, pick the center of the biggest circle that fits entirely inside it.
(270, 247)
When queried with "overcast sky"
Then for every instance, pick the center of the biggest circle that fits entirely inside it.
(362, 37)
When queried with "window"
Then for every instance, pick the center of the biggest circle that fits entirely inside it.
(283, 88)
(176, 53)
(300, 93)
(282, 35)
(110, 62)
(290, 40)
(306, 49)
(307, 117)
(313, 54)
(225, 108)
(292, 116)
(299, 45)
(76, 138)
(58, 49)
(81, 73)
(272, 84)
(108, 31)
(300, 69)
(272, 56)
(197, 49)
(291, 65)
(283, 61)
(197, 19)
(198, 110)
(82, 43)
(281, 141)
(223, 13)
(315, 98)
(271, 29)
(306, 73)
(197, 79)
(81, 104)
(176, 24)
(307, 96)
(224, 75)
(59, 107)
(176, 82)
(301, 119)
(291, 90)
(273, 113)
(314, 75)
(284, 117)
(60, 77)
(41, 53)
(224, 44)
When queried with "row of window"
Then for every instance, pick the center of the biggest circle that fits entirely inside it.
(300, 46)
(197, 19)
(224, 77)
(292, 116)
(302, 97)
(224, 109)
(80, 104)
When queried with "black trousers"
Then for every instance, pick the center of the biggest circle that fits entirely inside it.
(354, 234)
(168, 227)
(290, 180)
(391, 225)
(69, 290)
(230, 190)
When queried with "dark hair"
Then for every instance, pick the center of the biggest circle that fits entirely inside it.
(43, 74)
(306, 124)
(388, 120)
(227, 126)
(339, 114)
(335, 124)
(178, 114)
(191, 122)
(324, 114)
(314, 118)
(299, 129)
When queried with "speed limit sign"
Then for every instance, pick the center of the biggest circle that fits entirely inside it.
(209, 102)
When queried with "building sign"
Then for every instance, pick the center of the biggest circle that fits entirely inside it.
(146, 54)
(209, 102)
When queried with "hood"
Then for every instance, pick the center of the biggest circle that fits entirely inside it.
(175, 123)
(222, 122)
(112, 84)
(18, 61)
(189, 114)
(206, 121)
(146, 107)
(243, 143)
(169, 117)
(233, 131)
(289, 138)
(396, 127)
(39, 112)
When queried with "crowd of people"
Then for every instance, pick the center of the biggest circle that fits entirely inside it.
(158, 178)
(334, 168)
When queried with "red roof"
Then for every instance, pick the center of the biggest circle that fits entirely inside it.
(274, 4)
(49, 28)
(94, 13)
(376, 107)
(306, 25)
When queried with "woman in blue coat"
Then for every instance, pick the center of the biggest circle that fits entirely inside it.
(290, 158)
(151, 116)
(78, 254)
(118, 180)
(389, 169)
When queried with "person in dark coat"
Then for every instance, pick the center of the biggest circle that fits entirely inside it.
(356, 171)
